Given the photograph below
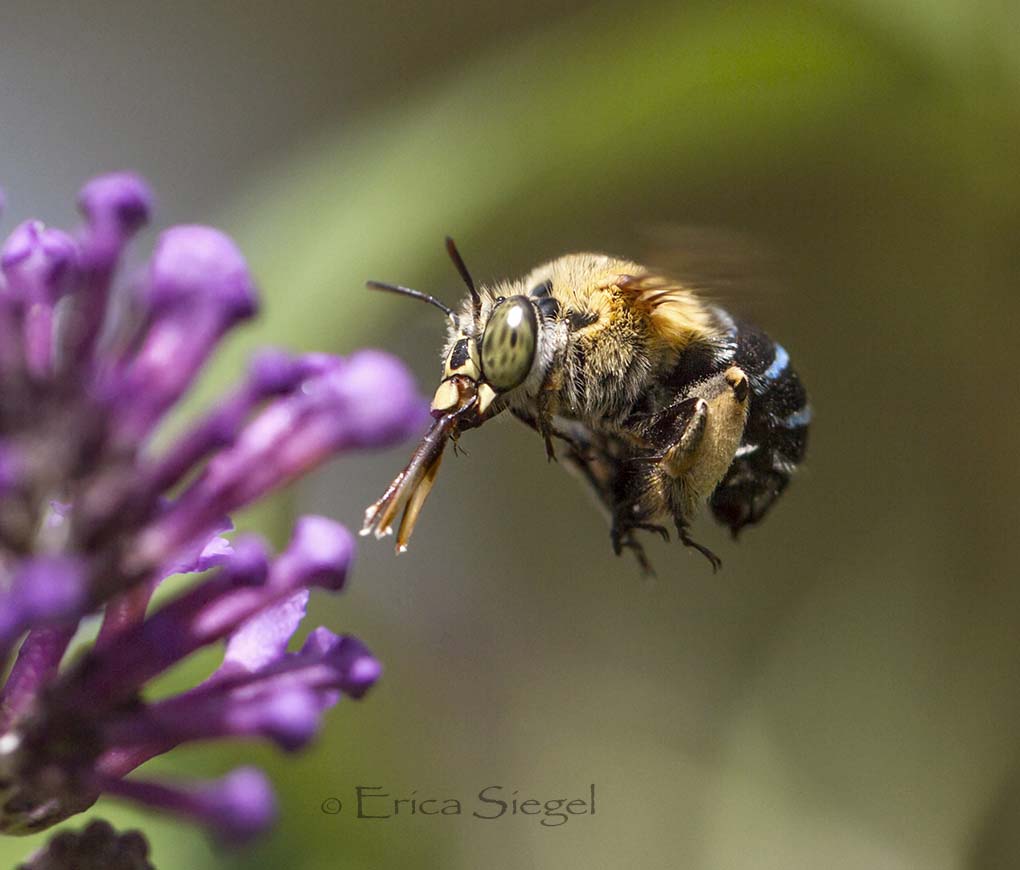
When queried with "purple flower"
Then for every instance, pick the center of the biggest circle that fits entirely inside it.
(93, 516)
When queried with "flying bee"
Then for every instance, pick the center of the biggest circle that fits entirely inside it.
(659, 400)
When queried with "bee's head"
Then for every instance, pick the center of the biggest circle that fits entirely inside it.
(496, 355)
(491, 351)
(491, 348)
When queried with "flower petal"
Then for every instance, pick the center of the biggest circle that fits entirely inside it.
(264, 637)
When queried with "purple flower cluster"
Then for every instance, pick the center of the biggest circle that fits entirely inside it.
(94, 515)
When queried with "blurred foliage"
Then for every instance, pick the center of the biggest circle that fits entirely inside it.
(843, 696)
(533, 135)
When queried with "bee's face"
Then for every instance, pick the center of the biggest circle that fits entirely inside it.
(499, 353)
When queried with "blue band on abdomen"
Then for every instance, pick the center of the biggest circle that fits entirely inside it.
(779, 364)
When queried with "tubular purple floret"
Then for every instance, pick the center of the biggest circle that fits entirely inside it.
(248, 562)
(115, 206)
(289, 717)
(240, 805)
(43, 591)
(38, 263)
(36, 664)
(359, 669)
(272, 373)
(195, 266)
(236, 807)
(275, 372)
(198, 287)
(366, 375)
(319, 554)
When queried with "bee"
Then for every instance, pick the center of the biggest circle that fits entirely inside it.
(659, 400)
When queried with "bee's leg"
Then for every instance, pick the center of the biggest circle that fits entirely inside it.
(550, 451)
(661, 531)
(687, 541)
(548, 433)
(630, 515)
(544, 423)
(624, 538)
(677, 433)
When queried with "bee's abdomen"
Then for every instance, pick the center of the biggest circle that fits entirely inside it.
(775, 435)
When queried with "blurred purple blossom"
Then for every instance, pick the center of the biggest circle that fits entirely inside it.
(93, 517)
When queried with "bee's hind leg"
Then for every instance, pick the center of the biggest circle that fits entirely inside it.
(677, 433)
(687, 541)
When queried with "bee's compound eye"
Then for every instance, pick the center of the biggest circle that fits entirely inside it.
(508, 345)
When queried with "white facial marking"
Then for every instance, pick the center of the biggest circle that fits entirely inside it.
(486, 395)
(446, 396)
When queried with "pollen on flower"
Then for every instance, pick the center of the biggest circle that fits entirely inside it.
(94, 516)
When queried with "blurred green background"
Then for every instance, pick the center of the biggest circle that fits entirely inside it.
(844, 694)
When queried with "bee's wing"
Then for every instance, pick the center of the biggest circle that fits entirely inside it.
(724, 265)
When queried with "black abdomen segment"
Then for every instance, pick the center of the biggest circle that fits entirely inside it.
(775, 436)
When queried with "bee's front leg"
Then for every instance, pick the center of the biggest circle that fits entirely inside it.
(544, 423)
(540, 417)
(547, 431)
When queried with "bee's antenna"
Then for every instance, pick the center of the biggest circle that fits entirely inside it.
(415, 294)
(458, 261)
